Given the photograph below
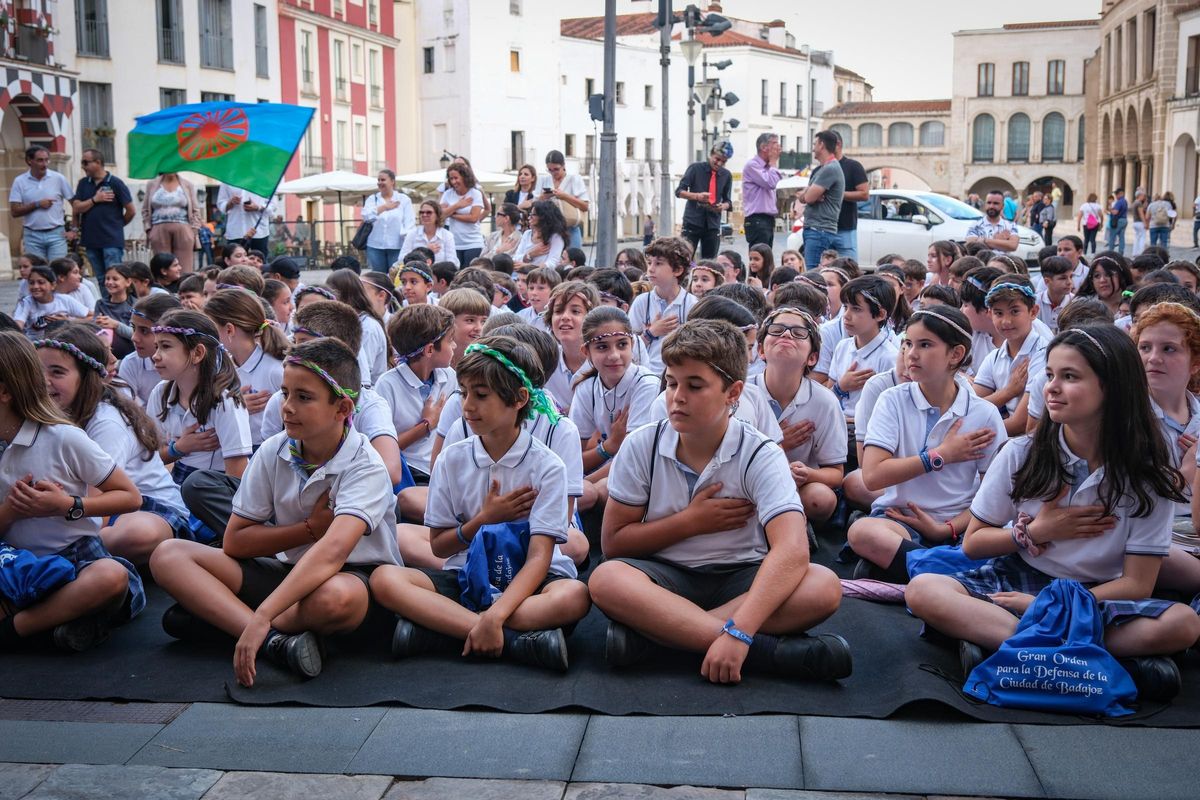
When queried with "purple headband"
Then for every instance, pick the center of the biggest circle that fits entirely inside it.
(74, 352)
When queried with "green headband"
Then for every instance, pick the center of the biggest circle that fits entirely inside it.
(538, 397)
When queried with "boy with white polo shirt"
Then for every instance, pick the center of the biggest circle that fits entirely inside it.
(1003, 377)
(869, 347)
(656, 313)
(705, 533)
(499, 495)
(312, 518)
(1056, 290)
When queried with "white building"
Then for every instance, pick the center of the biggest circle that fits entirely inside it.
(171, 52)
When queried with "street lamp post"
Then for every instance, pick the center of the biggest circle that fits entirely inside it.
(691, 52)
(606, 228)
(666, 206)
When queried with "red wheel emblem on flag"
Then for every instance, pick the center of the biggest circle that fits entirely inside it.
(210, 134)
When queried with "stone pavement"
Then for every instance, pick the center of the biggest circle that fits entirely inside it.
(184, 752)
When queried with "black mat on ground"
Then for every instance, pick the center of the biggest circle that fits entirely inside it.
(894, 669)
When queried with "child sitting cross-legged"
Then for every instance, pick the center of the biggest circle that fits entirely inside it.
(503, 493)
(312, 518)
(705, 537)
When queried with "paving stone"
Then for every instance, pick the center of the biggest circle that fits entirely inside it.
(72, 742)
(1111, 762)
(705, 751)
(788, 794)
(458, 788)
(262, 738)
(112, 782)
(469, 744)
(634, 791)
(17, 780)
(866, 755)
(281, 786)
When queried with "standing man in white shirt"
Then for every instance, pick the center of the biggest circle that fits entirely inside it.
(247, 217)
(37, 198)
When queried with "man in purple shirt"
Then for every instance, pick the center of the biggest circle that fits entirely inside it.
(759, 177)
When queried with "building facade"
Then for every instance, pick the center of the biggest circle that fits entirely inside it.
(902, 135)
(1017, 117)
(1179, 153)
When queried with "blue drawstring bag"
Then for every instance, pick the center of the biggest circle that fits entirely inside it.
(941, 560)
(26, 578)
(1056, 660)
(494, 557)
(406, 477)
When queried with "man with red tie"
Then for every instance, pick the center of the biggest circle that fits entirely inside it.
(706, 186)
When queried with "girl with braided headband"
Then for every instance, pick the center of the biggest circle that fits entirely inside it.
(78, 382)
(198, 405)
(499, 493)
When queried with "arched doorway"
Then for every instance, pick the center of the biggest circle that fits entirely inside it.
(1183, 172)
(991, 184)
(883, 177)
(1046, 184)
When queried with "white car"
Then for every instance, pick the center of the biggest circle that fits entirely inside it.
(907, 222)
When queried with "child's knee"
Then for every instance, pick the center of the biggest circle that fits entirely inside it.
(925, 592)
(574, 598)
(823, 589)
(607, 580)
(337, 600)
(576, 547)
(168, 557)
(108, 578)
(1179, 628)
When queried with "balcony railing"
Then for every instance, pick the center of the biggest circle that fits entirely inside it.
(376, 97)
(373, 12)
(170, 45)
(313, 165)
(344, 163)
(33, 45)
(1191, 87)
(379, 166)
(93, 37)
(102, 139)
(216, 51)
(340, 88)
(261, 68)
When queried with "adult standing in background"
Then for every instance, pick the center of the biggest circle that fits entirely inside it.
(1088, 220)
(1118, 219)
(1160, 216)
(462, 207)
(391, 214)
(570, 192)
(524, 192)
(247, 217)
(1009, 209)
(858, 189)
(106, 207)
(1138, 212)
(37, 199)
(171, 218)
(760, 175)
(706, 186)
(823, 198)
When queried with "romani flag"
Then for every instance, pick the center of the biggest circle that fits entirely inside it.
(247, 145)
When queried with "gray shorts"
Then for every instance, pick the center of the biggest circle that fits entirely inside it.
(709, 586)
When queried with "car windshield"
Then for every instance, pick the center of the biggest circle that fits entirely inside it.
(955, 209)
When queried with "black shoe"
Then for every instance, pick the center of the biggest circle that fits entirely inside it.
(301, 652)
(813, 544)
(970, 656)
(623, 646)
(179, 623)
(825, 657)
(80, 634)
(1157, 677)
(545, 649)
(862, 570)
(411, 639)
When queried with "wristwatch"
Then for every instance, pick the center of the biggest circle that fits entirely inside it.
(76, 512)
(936, 461)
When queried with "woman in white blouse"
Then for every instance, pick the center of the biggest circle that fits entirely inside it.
(542, 244)
(507, 236)
(570, 191)
(462, 206)
(392, 214)
(525, 191)
(428, 232)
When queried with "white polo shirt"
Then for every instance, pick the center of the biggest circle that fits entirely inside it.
(372, 355)
(372, 416)
(558, 384)
(60, 453)
(260, 373)
(813, 402)
(462, 478)
(753, 407)
(1097, 559)
(875, 386)
(140, 374)
(229, 419)
(904, 423)
(878, 354)
(109, 429)
(1048, 313)
(562, 437)
(649, 306)
(531, 317)
(1171, 431)
(358, 486)
(832, 332)
(981, 346)
(749, 465)
(401, 389)
(995, 369)
(594, 406)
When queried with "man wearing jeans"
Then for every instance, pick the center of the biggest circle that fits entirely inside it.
(1118, 219)
(104, 202)
(858, 189)
(759, 178)
(823, 198)
(37, 198)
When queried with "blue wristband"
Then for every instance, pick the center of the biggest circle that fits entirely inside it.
(603, 453)
(172, 452)
(742, 637)
(461, 538)
(925, 461)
